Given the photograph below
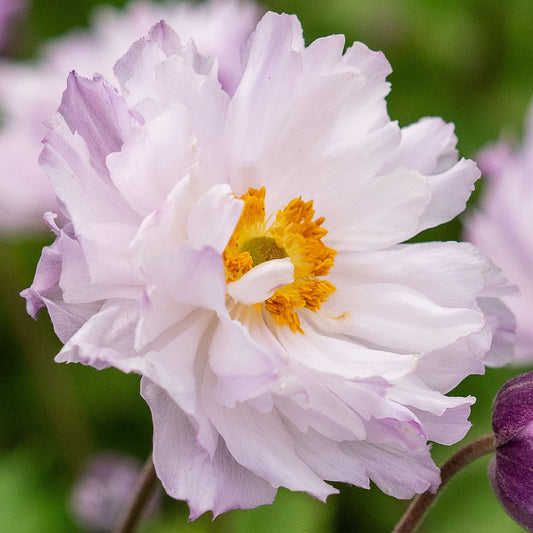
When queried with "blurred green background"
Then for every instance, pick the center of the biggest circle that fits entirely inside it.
(469, 61)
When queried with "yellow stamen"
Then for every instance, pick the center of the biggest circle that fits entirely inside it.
(293, 234)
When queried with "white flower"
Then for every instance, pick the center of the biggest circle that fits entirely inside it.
(242, 254)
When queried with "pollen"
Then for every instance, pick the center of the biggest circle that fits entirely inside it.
(290, 232)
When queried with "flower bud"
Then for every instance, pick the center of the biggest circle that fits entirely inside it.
(511, 470)
(103, 491)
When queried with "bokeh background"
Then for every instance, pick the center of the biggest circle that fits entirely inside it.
(469, 61)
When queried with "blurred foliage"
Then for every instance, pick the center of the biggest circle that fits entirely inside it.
(468, 61)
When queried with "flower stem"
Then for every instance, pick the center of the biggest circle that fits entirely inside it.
(421, 503)
(145, 488)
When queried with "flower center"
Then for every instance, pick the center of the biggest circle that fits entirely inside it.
(263, 249)
(292, 234)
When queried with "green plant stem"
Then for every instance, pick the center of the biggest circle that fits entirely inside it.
(421, 503)
(145, 488)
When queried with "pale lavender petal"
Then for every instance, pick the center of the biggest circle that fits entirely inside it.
(395, 470)
(450, 273)
(262, 443)
(106, 339)
(429, 147)
(216, 483)
(93, 109)
(390, 315)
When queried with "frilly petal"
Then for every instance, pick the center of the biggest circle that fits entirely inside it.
(428, 146)
(216, 483)
(395, 470)
(261, 443)
(401, 318)
(94, 110)
(106, 339)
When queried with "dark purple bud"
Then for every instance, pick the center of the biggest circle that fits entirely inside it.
(511, 470)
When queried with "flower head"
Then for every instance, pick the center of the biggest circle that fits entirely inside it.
(29, 93)
(243, 254)
(510, 469)
(500, 227)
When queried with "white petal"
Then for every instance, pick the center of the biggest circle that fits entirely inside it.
(106, 339)
(396, 470)
(401, 318)
(213, 218)
(272, 62)
(171, 365)
(193, 277)
(385, 211)
(166, 228)
(449, 427)
(103, 221)
(186, 470)
(94, 110)
(153, 159)
(319, 408)
(444, 369)
(260, 283)
(368, 398)
(262, 443)
(427, 146)
(328, 460)
(503, 327)
(206, 104)
(159, 311)
(342, 357)
(244, 368)
(449, 273)
(449, 192)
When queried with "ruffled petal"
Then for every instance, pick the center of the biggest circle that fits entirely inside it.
(401, 318)
(502, 324)
(260, 283)
(262, 443)
(328, 459)
(216, 483)
(428, 146)
(106, 339)
(213, 218)
(191, 277)
(449, 192)
(244, 369)
(448, 273)
(94, 110)
(445, 368)
(343, 357)
(394, 469)
(46, 290)
(161, 149)
(386, 210)
(103, 222)
(175, 362)
(313, 405)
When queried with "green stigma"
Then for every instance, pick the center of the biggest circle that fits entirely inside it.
(263, 249)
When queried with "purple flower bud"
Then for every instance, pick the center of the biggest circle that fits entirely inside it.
(103, 491)
(10, 11)
(511, 470)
